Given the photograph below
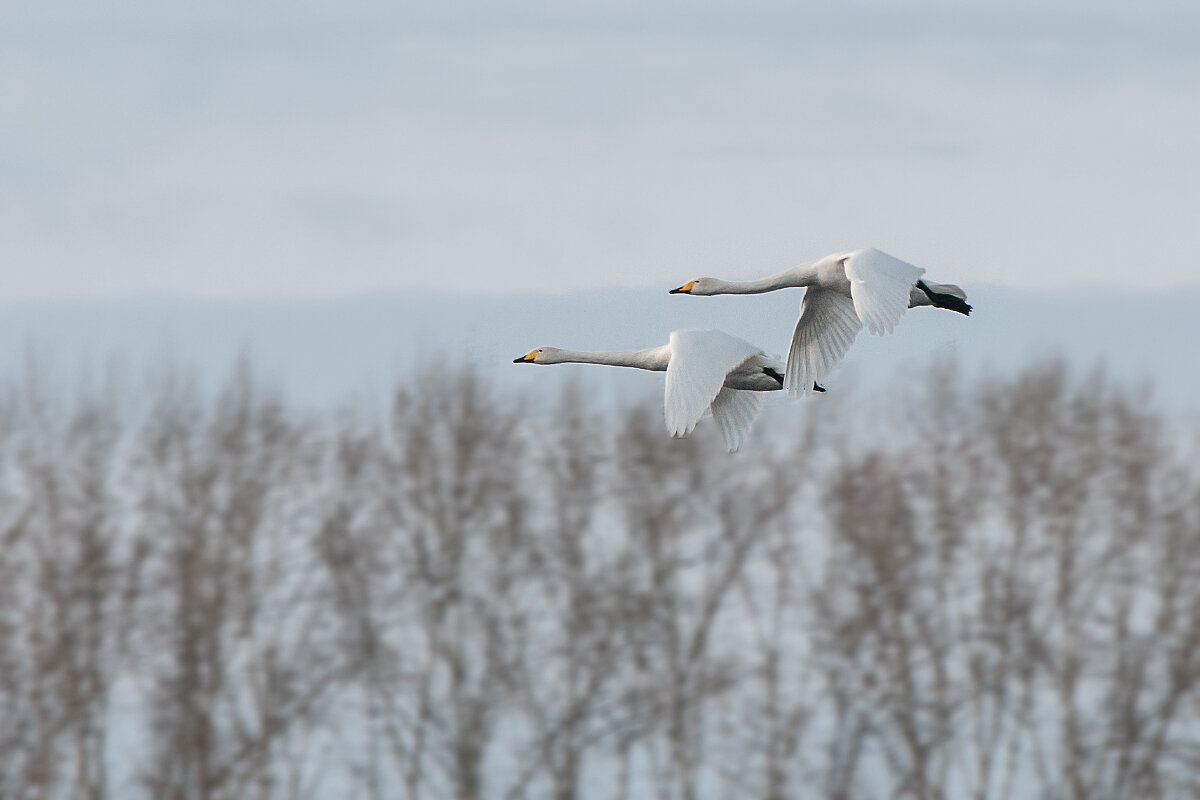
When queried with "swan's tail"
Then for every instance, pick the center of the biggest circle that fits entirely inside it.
(946, 295)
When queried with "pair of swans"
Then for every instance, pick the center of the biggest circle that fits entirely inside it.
(713, 371)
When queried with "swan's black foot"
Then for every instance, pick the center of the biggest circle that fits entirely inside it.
(818, 387)
(946, 301)
(773, 373)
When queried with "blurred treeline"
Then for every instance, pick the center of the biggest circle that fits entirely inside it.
(983, 591)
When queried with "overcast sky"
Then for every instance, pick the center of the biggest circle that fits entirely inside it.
(251, 149)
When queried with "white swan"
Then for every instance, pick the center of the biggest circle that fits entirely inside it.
(705, 370)
(845, 292)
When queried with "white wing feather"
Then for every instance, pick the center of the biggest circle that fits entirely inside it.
(700, 360)
(880, 285)
(827, 327)
(734, 411)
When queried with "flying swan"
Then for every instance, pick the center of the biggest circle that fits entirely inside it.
(845, 292)
(706, 370)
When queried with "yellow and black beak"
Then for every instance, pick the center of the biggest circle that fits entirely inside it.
(685, 289)
(527, 358)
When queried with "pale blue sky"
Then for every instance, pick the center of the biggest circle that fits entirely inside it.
(322, 149)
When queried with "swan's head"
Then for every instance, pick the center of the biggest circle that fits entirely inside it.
(699, 287)
(542, 355)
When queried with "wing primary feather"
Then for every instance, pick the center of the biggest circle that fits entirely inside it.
(696, 372)
(734, 411)
(824, 332)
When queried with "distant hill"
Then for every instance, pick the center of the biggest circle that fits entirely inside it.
(319, 351)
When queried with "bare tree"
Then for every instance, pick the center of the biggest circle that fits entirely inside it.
(61, 622)
(986, 590)
(574, 639)
(444, 560)
(238, 666)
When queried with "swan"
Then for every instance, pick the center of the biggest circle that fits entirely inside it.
(706, 370)
(845, 292)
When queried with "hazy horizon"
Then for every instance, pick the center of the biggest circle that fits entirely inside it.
(321, 350)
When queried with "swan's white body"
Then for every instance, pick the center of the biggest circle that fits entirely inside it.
(706, 370)
(845, 292)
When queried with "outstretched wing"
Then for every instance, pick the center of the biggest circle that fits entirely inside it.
(880, 286)
(824, 332)
(734, 411)
(700, 360)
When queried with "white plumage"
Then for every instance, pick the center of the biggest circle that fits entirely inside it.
(706, 371)
(845, 292)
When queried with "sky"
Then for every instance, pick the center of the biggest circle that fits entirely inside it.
(242, 150)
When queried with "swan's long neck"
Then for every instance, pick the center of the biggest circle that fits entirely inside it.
(804, 275)
(654, 358)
